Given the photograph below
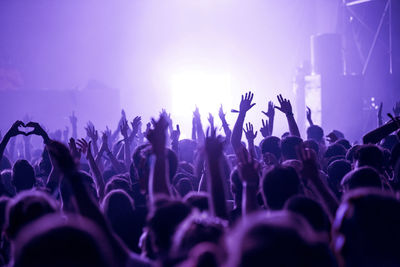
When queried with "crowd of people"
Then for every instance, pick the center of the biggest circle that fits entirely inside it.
(147, 198)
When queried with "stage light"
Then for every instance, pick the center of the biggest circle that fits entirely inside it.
(204, 89)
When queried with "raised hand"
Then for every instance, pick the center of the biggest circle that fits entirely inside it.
(75, 152)
(211, 120)
(176, 134)
(271, 110)
(37, 130)
(196, 114)
(124, 128)
(248, 168)
(285, 105)
(308, 116)
(380, 119)
(85, 148)
(213, 145)
(250, 135)
(14, 130)
(245, 103)
(91, 132)
(309, 159)
(157, 136)
(221, 113)
(265, 128)
(136, 123)
(396, 109)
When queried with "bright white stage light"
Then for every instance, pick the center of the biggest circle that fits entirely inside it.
(204, 89)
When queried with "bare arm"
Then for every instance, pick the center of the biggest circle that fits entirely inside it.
(245, 105)
(379, 133)
(250, 136)
(215, 182)
(286, 108)
(248, 171)
(158, 180)
(271, 115)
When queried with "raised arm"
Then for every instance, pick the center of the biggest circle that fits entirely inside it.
(310, 173)
(127, 146)
(214, 154)
(85, 204)
(86, 149)
(175, 134)
(199, 126)
(250, 136)
(270, 115)
(380, 119)
(245, 105)
(379, 133)
(309, 119)
(158, 180)
(286, 108)
(93, 135)
(74, 124)
(225, 125)
(13, 131)
(249, 174)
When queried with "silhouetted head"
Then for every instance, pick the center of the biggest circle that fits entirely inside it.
(26, 207)
(184, 186)
(311, 210)
(361, 177)
(276, 239)
(23, 175)
(336, 171)
(366, 229)
(54, 241)
(369, 155)
(316, 133)
(162, 222)
(197, 200)
(288, 147)
(196, 229)
(335, 150)
(279, 184)
(312, 144)
(271, 144)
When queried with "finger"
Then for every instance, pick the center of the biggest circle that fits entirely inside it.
(278, 108)
(251, 96)
(252, 105)
(177, 128)
(265, 113)
(255, 135)
(263, 123)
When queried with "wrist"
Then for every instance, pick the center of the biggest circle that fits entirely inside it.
(289, 114)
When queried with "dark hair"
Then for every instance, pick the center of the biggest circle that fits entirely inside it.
(311, 210)
(370, 155)
(288, 147)
(335, 150)
(279, 184)
(361, 177)
(23, 175)
(367, 229)
(336, 171)
(53, 241)
(316, 133)
(271, 144)
(163, 221)
(26, 207)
